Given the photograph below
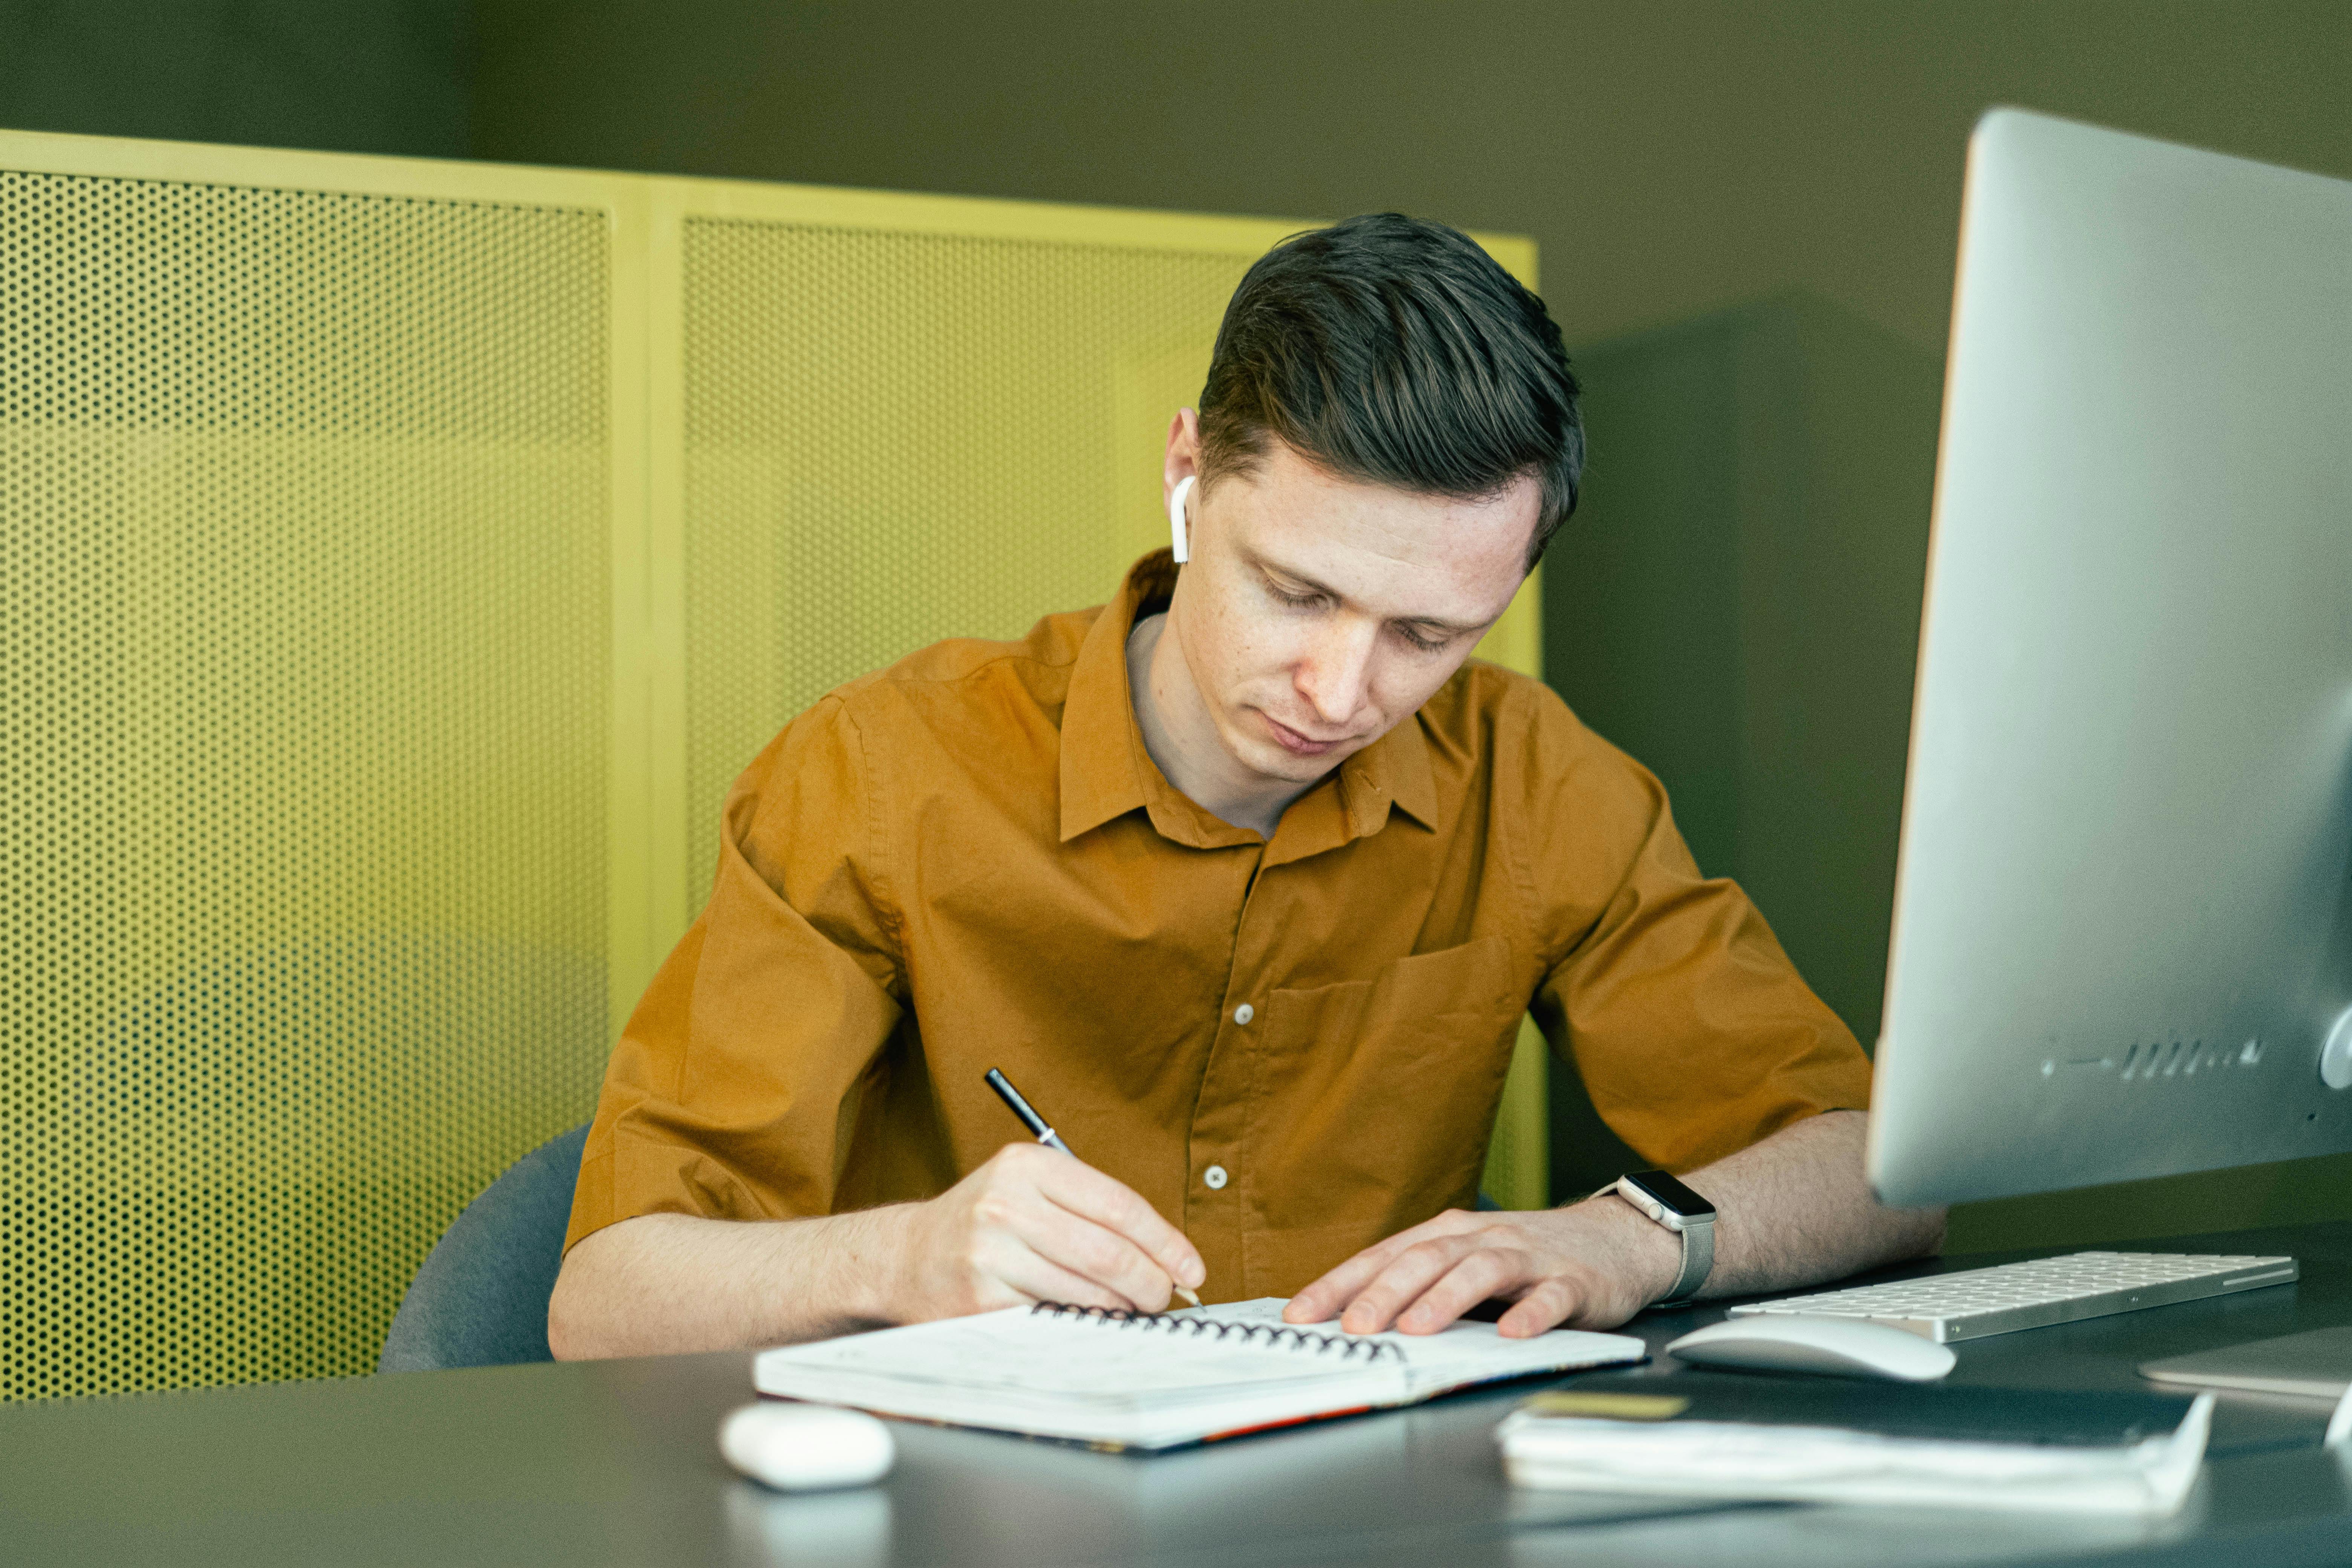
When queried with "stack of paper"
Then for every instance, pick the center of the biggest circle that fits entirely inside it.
(1842, 1440)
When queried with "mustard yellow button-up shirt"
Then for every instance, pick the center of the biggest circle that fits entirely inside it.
(1293, 1049)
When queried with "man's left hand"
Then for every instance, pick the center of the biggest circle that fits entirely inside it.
(1591, 1266)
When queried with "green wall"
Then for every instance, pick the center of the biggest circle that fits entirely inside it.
(1672, 160)
(1737, 602)
(352, 75)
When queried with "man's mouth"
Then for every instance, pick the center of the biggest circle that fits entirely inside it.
(1298, 744)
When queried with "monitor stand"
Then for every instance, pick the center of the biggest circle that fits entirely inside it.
(2315, 1366)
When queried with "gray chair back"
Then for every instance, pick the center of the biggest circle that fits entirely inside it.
(481, 1300)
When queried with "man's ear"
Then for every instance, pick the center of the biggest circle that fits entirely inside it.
(1183, 458)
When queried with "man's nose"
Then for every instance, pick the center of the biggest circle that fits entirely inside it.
(1332, 676)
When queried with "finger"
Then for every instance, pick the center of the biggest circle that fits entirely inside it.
(1096, 1254)
(1412, 1271)
(1546, 1307)
(1488, 1271)
(1323, 1300)
(1080, 1188)
(1020, 1276)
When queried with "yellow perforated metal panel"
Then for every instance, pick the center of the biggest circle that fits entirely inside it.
(303, 575)
(397, 561)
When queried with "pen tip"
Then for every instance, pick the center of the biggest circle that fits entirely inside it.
(1190, 1299)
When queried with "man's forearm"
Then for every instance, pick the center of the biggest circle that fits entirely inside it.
(1795, 1209)
(1029, 1224)
(665, 1283)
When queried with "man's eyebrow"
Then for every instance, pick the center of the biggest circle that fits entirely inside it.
(1304, 581)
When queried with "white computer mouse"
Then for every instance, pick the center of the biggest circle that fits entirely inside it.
(1846, 1347)
(806, 1448)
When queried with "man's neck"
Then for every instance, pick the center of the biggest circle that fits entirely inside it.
(1182, 736)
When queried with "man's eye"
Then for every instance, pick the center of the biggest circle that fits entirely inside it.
(1295, 601)
(1415, 640)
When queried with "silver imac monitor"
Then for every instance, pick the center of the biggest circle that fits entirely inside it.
(2123, 919)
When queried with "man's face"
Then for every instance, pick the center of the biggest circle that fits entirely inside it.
(1318, 612)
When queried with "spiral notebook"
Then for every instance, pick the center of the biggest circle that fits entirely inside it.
(1157, 1380)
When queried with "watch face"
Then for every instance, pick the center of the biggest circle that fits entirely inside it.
(1676, 1198)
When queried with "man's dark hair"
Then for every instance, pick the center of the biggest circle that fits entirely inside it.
(1392, 350)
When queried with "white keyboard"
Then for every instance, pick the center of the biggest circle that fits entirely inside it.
(1979, 1301)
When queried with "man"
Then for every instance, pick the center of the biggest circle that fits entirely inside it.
(1245, 879)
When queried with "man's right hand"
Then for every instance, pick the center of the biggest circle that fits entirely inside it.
(1034, 1225)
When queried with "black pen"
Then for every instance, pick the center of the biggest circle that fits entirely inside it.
(1045, 1134)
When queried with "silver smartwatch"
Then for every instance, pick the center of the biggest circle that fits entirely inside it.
(1682, 1211)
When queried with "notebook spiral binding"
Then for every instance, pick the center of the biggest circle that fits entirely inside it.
(1272, 1336)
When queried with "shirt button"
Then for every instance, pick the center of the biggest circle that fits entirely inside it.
(1244, 1013)
(1215, 1177)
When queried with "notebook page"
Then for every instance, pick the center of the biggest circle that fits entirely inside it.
(1027, 1355)
(1462, 1354)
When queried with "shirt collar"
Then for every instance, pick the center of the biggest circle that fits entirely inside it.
(1100, 743)
(1106, 772)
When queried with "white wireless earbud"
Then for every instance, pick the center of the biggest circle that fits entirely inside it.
(1177, 532)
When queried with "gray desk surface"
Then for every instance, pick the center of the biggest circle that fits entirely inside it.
(616, 1463)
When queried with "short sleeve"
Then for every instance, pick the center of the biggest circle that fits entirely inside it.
(1693, 1031)
(732, 1092)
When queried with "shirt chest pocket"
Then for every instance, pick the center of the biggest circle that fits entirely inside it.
(1373, 1100)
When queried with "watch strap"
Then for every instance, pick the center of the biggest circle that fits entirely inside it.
(1698, 1251)
(1698, 1262)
